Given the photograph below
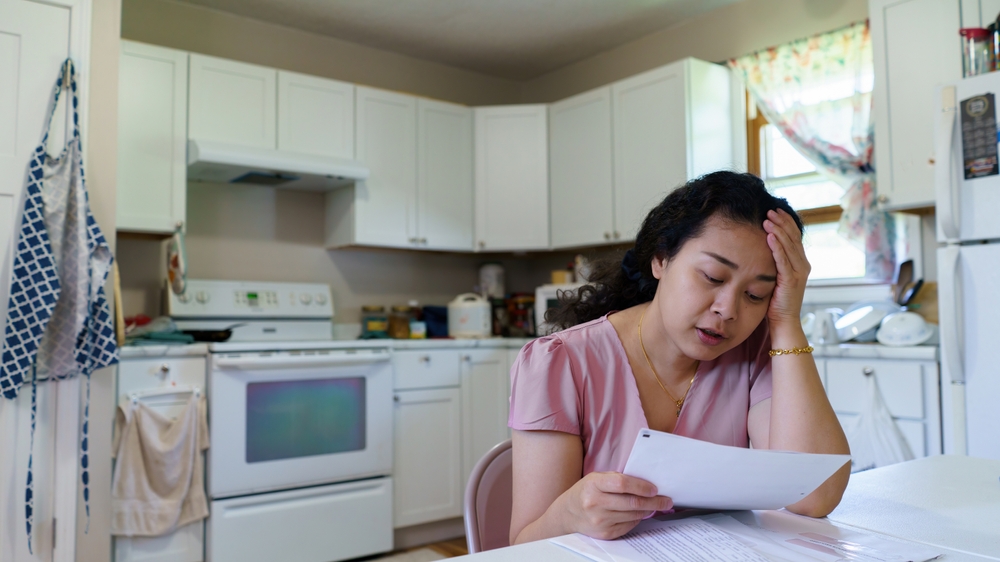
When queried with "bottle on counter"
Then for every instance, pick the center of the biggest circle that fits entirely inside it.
(418, 328)
(399, 322)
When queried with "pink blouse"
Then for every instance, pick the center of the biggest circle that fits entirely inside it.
(579, 381)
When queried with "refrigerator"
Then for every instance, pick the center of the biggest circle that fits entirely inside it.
(967, 184)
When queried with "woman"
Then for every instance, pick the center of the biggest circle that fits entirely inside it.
(675, 337)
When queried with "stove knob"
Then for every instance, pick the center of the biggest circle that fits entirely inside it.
(184, 297)
(202, 297)
(306, 298)
(320, 298)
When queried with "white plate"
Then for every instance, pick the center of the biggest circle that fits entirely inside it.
(859, 321)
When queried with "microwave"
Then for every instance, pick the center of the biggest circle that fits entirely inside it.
(546, 297)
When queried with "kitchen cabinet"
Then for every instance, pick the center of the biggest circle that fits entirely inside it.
(511, 178)
(427, 450)
(485, 404)
(444, 176)
(580, 167)
(315, 115)
(671, 124)
(232, 102)
(910, 389)
(152, 138)
(419, 193)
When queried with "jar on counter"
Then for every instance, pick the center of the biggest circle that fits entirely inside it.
(399, 322)
(977, 51)
(374, 322)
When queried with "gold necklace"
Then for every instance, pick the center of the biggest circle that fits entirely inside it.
(679, 403)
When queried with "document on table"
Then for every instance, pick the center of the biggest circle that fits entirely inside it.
(704, 475)
(756, 537)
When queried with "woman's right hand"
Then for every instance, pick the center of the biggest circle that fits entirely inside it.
(606, 505)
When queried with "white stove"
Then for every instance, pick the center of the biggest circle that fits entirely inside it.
(300, 425)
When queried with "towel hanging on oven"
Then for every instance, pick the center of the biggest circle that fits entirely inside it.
(58, 321)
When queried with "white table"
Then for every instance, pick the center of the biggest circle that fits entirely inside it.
(949, 502)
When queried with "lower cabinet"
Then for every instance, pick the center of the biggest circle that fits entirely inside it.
(427, 456)
(485, 404)
(910, 390)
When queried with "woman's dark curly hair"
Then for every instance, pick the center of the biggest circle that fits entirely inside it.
(620, 282)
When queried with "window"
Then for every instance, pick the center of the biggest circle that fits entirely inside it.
(815, 196)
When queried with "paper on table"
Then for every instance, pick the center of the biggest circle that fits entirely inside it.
(701, 474)
(684, 540)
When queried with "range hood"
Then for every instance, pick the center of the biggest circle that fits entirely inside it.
(217, 162)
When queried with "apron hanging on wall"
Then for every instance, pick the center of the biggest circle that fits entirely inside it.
(58, 320)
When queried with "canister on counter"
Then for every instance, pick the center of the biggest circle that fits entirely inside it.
(399, 322)
(977, 51)
(374, 322)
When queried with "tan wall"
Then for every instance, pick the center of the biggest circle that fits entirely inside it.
(211, 32)
(719, 35)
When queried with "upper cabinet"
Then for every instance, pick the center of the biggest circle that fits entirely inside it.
(232, 102)
(916, 48)
(315, 115)
(419, 193)
(152, 138)
(581, 174)
(512, 178)
(671, 124)
(444, 176)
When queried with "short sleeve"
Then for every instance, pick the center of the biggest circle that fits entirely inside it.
(760, 367)
(544, 390)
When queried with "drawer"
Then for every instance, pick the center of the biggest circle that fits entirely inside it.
(901, 384)
(425, 369)
(913, 431)
(148, 373)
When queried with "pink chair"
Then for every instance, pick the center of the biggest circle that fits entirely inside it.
(488, 498)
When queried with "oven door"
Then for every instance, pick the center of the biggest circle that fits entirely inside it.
(281, 420)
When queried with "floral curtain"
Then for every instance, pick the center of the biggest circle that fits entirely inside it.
(818, 93)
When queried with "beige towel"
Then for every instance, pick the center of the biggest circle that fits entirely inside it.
(158, 483)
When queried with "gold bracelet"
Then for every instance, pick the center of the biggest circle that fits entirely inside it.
(793, 351)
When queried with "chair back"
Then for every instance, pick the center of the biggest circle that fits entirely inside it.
(488, 498)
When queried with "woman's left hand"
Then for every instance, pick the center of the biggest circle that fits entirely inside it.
(785, 241)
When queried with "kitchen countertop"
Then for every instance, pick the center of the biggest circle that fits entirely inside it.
(844, 350)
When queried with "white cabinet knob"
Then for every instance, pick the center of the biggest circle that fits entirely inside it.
(482, 244)
(203, 297)
(320, 298)
(184, 297)
(306, 298)
(868, 371)
(607, 236)
(617, 235)
(883, 199)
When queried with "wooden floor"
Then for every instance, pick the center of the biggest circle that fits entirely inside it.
(452, 548)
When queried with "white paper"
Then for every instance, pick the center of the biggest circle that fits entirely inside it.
(584, 546)
(685, 540)
(700, 474)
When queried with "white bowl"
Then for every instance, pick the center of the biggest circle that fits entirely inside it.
(862, 319)
(904, 328)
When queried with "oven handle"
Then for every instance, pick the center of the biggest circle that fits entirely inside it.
(287, 361)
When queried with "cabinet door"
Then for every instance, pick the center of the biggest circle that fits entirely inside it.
(916, 47)
(485, 404)
(232, 102)
(444, 176)
(581, 189)
(315, 115)
(152, 138)
(427, 456)
(512, 178)
(650, 142)
(386, 142)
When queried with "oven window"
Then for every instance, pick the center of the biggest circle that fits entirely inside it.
(289, 419)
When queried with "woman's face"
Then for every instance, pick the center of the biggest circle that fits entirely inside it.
(714, 293)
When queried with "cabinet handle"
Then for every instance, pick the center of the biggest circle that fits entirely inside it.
(482, 244)
(467, 358)
(164, 369)
(414, 240)
(930, 161)
(425, 359)
(607, 236)
(617, 235)
(395, 398)
(423, 241)
(883, 199)
(868, 371)
(179, 224)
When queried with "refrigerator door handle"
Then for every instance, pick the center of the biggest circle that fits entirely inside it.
(945, 183)
(949, 329)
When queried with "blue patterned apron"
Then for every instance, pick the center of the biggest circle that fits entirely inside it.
(58, 320)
